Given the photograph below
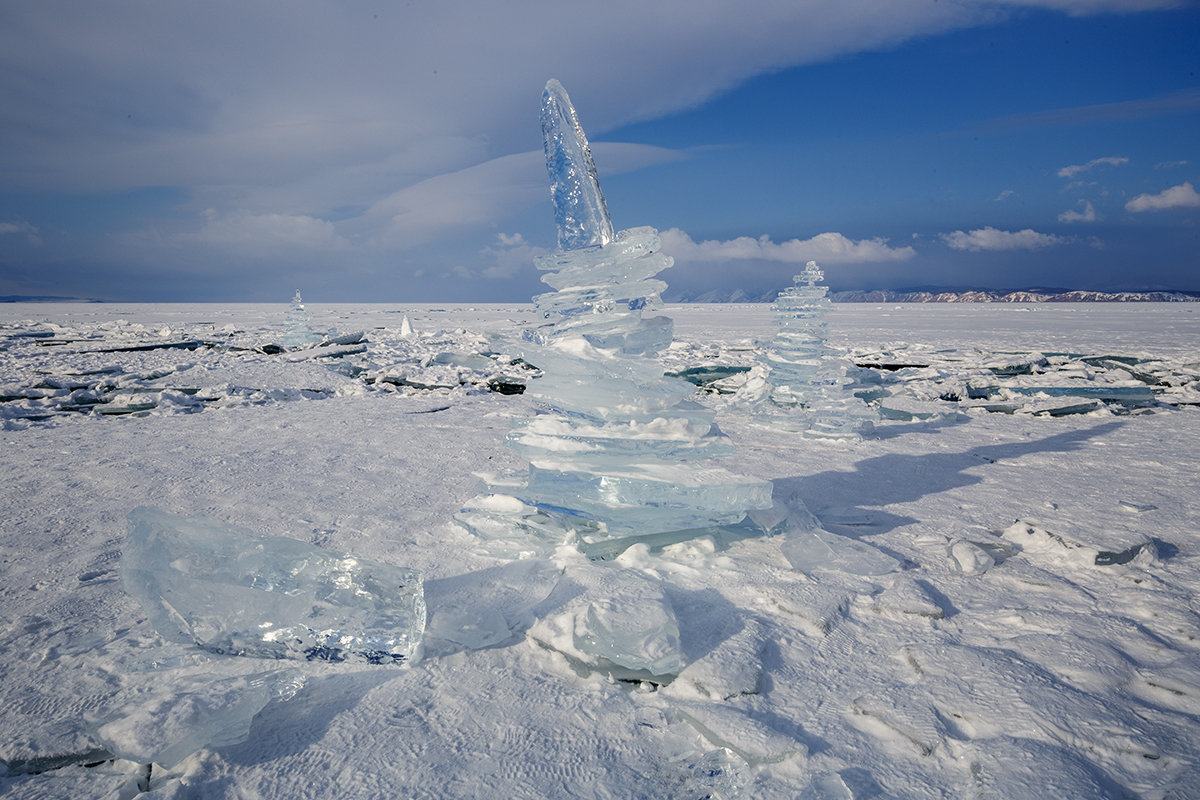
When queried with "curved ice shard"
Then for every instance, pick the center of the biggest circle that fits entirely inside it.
(579, 207)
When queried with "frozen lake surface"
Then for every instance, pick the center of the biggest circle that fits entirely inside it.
(1060, 443)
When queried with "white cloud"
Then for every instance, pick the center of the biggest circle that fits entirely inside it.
(21, 227)
(1075, 169)
(511, 255)
(1182, 196)
(485, 194)
(990, 238)
(266, 231)
(1170, 164)
(1005, 195)
(832, 248)
(361, 100)
(1088, 214)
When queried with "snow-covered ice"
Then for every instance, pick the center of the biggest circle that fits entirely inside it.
(1039, 636)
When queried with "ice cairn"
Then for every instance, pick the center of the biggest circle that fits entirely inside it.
(805, 386)
(299, 331)
(620, 454)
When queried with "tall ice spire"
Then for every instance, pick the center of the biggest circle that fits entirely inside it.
(579, 207)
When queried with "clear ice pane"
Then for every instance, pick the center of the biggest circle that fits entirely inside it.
(579, 207)
(231, 591)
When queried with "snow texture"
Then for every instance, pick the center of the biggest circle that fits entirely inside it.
(1069, 667)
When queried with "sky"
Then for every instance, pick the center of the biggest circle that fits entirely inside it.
(391, 152)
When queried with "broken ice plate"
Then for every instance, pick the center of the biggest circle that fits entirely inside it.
(820, 549)
(234, 592)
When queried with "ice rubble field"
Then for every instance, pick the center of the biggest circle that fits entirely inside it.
(1062, 440)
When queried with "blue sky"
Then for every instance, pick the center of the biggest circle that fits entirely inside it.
(384, 152)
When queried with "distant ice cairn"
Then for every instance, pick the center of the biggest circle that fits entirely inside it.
(299, 331)
(233, 592)
(806, 379)
(621, 450)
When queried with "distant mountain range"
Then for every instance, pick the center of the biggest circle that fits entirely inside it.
(934, 295)
(43, 298)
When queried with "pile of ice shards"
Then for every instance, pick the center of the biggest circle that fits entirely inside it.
(120, 369)
(919, 383)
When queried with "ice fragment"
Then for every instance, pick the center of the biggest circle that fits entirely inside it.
(818, 549)
(170, 721)
(970, 558)
(234, 592)
(579, 207)
(621, 624)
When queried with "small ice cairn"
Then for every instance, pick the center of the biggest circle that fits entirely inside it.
(621, 452)
(797, 350)
(299, 331)
(806, 378)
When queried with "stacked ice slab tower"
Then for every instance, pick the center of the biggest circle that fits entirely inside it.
(620, 450)
(299, 331)
(796, 352)
(807, 381)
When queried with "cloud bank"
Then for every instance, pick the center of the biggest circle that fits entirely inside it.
(832, 248)
(1182, 196)
(991, 239)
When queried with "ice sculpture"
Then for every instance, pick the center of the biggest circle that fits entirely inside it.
(234, 592)
(621, 451)
(805, 377)
(299, 331)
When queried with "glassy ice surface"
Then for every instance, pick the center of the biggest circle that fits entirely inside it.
(480, 609)
(234, 592)
(818, 549)
(299, 331)
(717, 774)
(174, 717)
(579, 207)
(622, 450)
